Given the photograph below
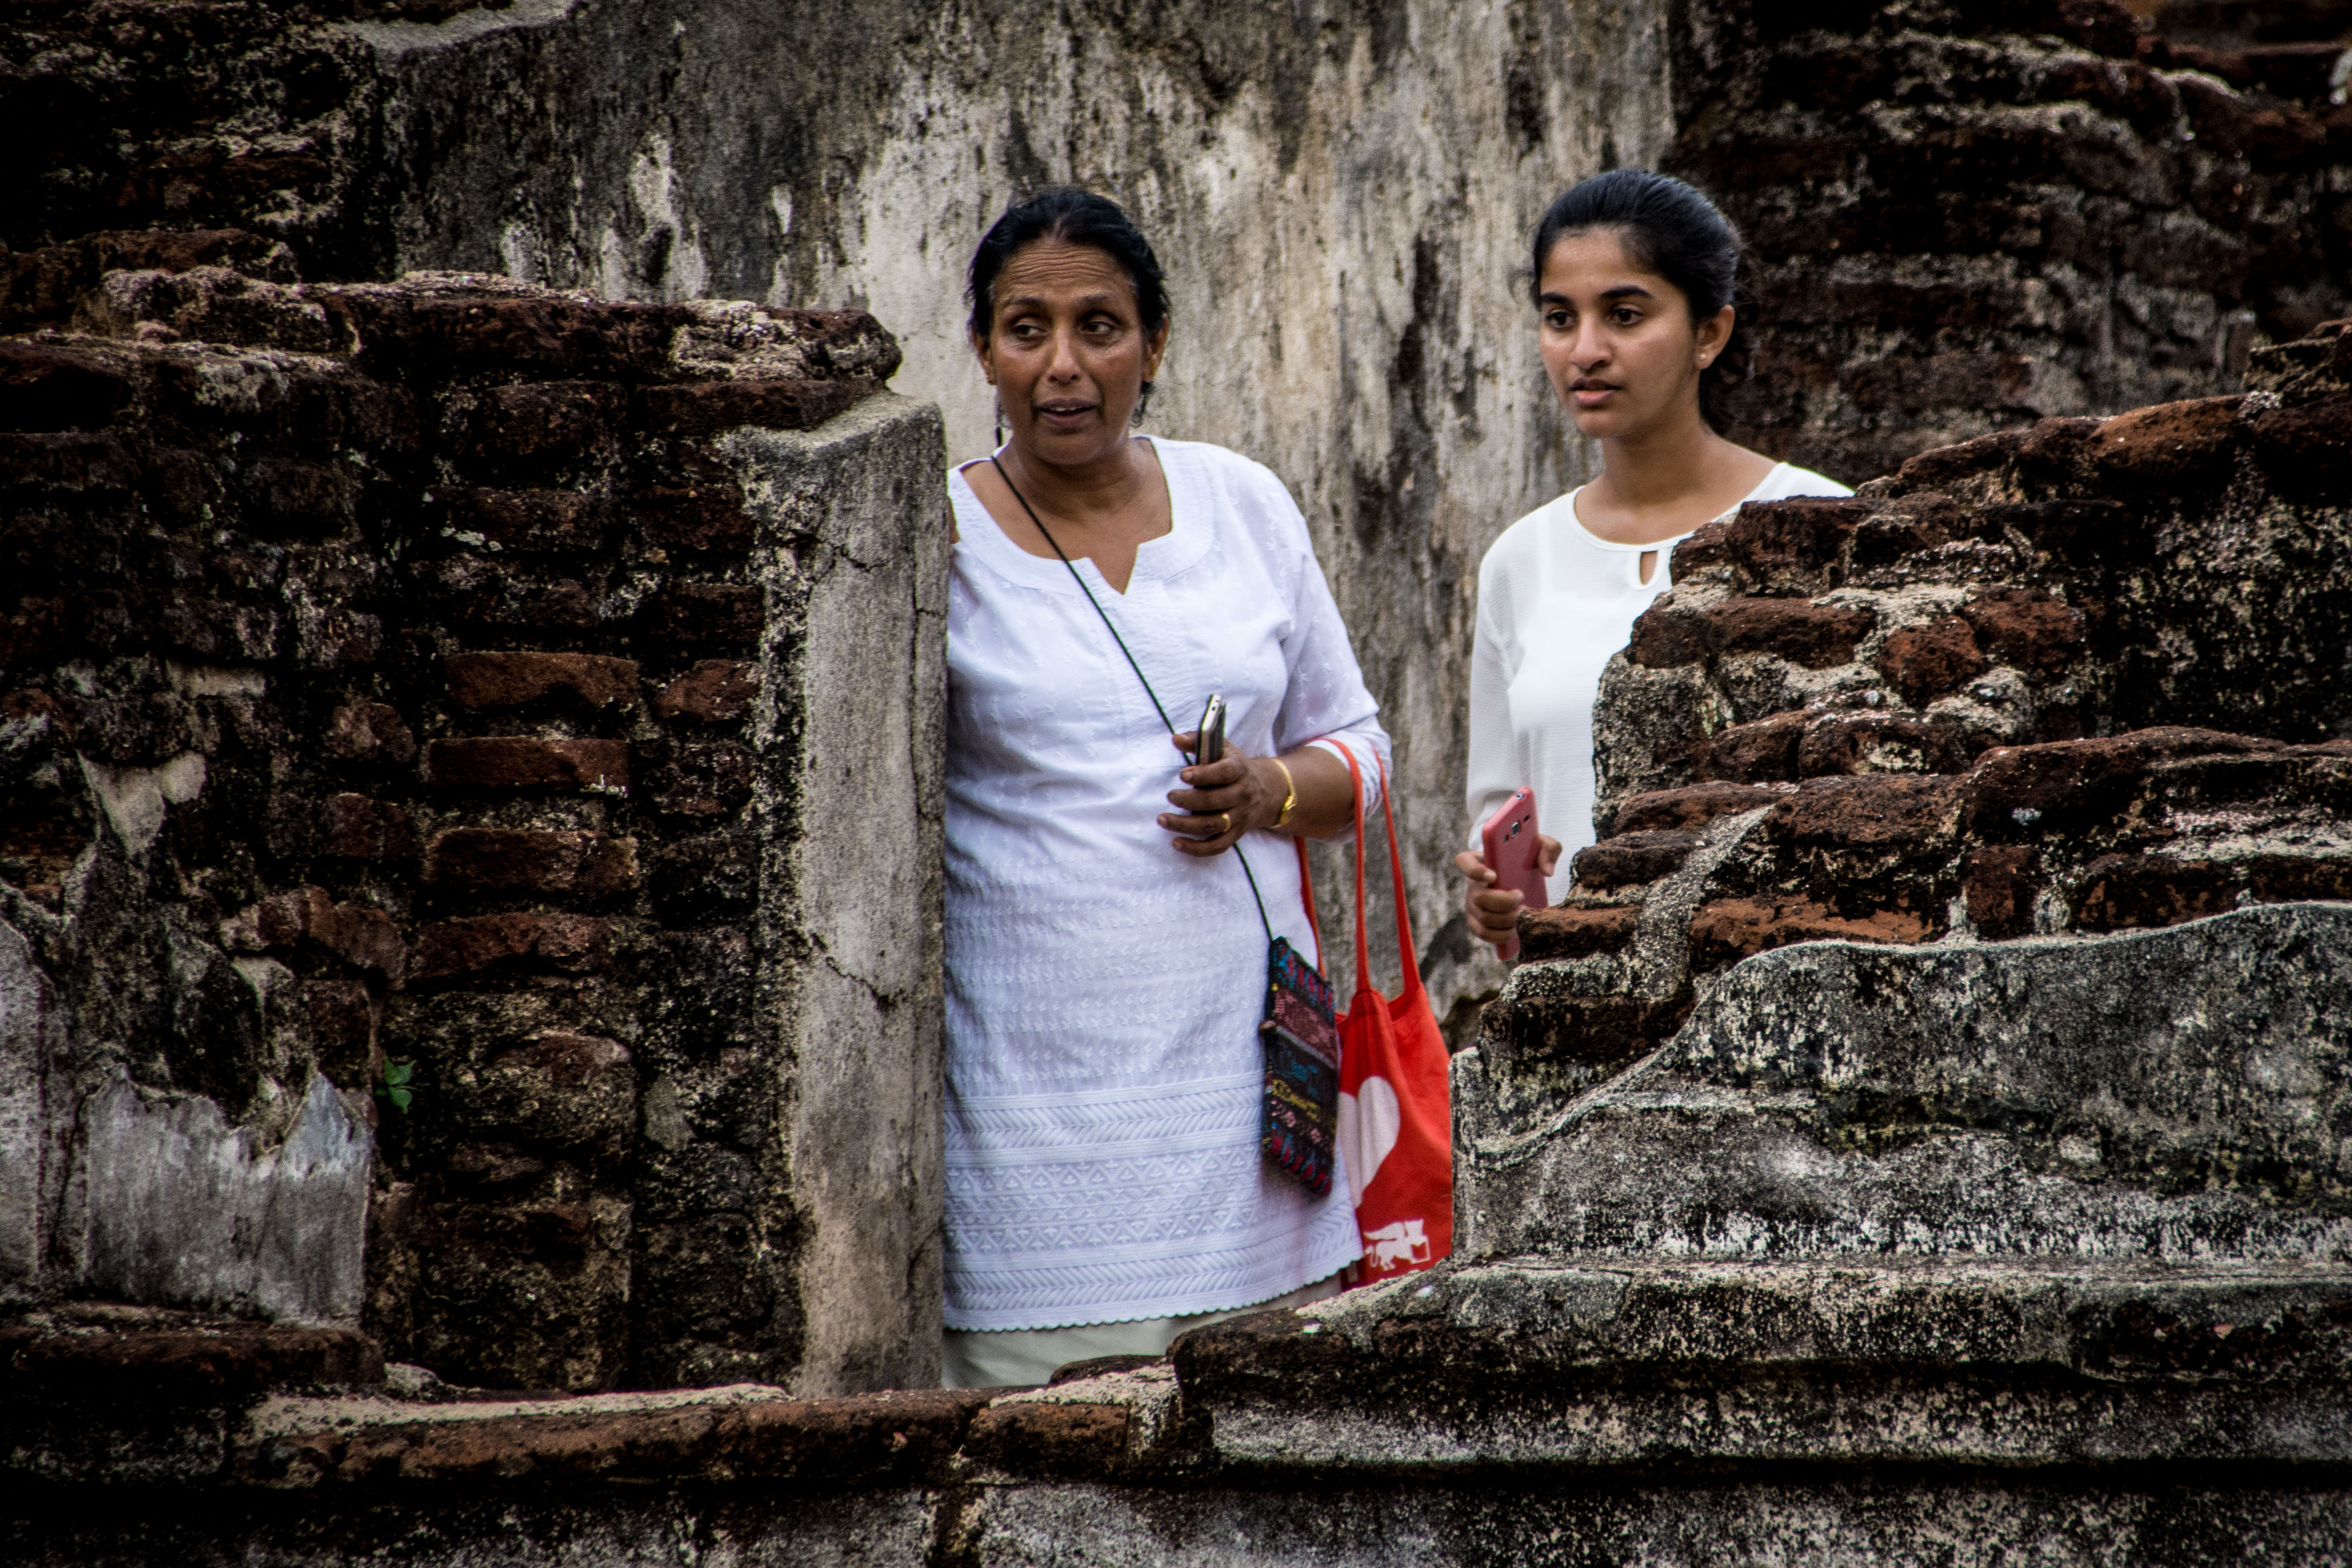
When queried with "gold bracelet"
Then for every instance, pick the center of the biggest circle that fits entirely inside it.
(1282, 818)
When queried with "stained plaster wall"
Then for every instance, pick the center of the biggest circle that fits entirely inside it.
(1339, 191)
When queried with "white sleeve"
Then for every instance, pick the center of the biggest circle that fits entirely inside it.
(1328, 704)
(1494, 768)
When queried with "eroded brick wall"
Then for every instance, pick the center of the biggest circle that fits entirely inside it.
(384, 684)
(2081, 677)
(1970, 214)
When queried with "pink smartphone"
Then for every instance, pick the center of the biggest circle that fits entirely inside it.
(1513, 848)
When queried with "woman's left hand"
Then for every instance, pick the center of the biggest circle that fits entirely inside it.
(1227, 798)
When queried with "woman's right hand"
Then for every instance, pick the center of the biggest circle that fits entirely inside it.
(1494, 912)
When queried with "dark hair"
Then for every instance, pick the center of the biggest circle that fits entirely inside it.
(1672, 230)
(1075, 218)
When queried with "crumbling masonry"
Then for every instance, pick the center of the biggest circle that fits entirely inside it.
(1923, 1132)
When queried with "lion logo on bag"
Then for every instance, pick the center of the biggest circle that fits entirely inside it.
(1402, 1243)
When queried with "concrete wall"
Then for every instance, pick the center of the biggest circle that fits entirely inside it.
(1340, 193)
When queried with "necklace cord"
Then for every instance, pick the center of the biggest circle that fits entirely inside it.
(1111, 628)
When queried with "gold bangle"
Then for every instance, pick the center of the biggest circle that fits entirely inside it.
(1282, 818)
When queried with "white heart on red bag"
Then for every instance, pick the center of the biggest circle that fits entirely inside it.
(1368, 1122)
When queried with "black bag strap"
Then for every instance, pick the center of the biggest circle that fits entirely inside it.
(1156, 706)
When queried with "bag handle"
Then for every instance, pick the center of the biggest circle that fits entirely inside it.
(1396, 877)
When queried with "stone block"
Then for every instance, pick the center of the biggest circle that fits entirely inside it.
(2063, 785)
(524, 762)
(520, 680)
(715, 691)
(491, 946)
(560, 863)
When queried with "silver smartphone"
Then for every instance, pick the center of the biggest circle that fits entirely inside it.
(1211, 732)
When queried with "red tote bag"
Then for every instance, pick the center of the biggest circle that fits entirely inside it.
(1396, 1124)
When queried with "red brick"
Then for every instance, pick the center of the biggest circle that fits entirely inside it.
(1567, 932)
(707, 407)
(524, 762)
(704, 614)
(1667, 636)
(1763, 752)
(1875, 811)
(698, 517)
(358, 828)
(1999, 885)
(1879, 744)
(2169, 443)
(1941, 465)
(1729, 929)
(342, 1018)
(370, 732)
(1694, 805)
(495, 859)
(1928, 662)
(2064, 784)
(540, 425)
(715, 690)
(518, 679)
(1081, 1438)
(1779, 542)
(466, 949)
(2122, 891)
(565, 1061)
(361, 937)
(289, 493)
(704, 780)
(2026, 628)
(1813, 635)
(536, 334)
(2283, 879)
(46, 387)
(2308, 450)
(528, 521)
(1632, 857)
(68, 463)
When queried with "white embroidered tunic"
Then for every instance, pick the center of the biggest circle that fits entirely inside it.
(1555, 604)
(1103, 991)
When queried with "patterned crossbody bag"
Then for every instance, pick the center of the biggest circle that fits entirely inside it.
(1299, 1115)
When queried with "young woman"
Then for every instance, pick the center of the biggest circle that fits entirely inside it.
(1635, 278)
(1106, 963)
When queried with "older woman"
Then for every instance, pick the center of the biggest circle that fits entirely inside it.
(1106, 957)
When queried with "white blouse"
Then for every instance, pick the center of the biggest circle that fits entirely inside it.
(1103, 991)
(1556, 602)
